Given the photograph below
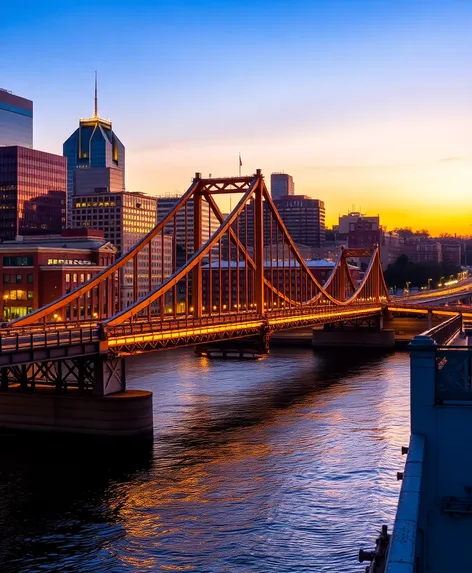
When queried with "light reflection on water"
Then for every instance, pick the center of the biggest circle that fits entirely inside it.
(286, 464)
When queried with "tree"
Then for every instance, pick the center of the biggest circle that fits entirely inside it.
(404, 232)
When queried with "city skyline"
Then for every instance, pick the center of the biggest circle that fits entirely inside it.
(370, 108)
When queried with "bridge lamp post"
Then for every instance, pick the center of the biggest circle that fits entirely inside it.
(407, 287)
(429, 283)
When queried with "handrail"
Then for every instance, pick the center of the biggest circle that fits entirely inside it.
(446, 331)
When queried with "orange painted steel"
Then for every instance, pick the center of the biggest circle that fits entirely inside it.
(227, 273)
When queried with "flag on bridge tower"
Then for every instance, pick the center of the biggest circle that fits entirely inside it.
(240, 164)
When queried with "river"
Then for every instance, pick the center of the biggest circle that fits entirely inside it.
(286, 464)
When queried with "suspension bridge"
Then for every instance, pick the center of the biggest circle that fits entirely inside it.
(245, 278)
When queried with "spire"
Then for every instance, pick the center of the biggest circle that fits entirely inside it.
(96, 97)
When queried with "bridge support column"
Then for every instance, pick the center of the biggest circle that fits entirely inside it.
(109, 376)
(250, 347)
(197, 297)
(387, 314)
(259, 249)
(430, 319)
(364, 333)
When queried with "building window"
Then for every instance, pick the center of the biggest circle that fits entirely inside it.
(29, 279)
(6, 279)
(30, 295)
(67, 277)
(19, 279)
(17, 261)
(75, 277)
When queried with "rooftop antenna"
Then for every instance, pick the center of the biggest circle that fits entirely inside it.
(96, 97)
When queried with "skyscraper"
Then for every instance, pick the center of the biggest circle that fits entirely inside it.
(125, 217)
(32, 192)
(16, 120)
(94, 145)
(281, 184)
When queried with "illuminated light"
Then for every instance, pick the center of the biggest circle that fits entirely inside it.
(214, 307)
(224, 307)
(191, 308)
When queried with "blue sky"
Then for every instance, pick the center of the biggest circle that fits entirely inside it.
(364, 103)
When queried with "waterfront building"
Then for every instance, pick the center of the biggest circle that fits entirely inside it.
(281, 184)
(94, 147)
(125, 217)
(32, 192)
(37, 270)
(303, 216)
(16, 120)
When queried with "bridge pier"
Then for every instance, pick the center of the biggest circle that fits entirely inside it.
(430, 319)
(85, 395)
(368, 333)
(249, 347)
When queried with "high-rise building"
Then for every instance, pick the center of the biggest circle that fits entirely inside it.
(281, 184)
(303, 216)
(125, 217)
(32, 192)
(184, 228)
(95, 147)
(16, 120)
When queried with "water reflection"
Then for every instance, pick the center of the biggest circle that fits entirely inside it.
(286, 464)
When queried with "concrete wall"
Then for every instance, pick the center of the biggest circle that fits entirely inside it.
(126, 414)
(353, 338)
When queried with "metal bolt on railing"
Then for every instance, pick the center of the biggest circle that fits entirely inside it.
(399, 476)
(404, 450)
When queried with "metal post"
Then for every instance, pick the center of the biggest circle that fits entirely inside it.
(259, 247)
(197, 243)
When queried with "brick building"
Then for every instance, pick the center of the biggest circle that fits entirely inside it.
(35, 271)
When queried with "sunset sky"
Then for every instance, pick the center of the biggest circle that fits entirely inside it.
(367, 104)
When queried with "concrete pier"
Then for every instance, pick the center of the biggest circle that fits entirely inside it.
(353, 338)
(122, 415)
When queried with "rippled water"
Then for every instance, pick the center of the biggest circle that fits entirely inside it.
(282, 465)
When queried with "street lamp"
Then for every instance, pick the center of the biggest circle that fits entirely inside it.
(407, 289)
(429, 283)
(5, 298)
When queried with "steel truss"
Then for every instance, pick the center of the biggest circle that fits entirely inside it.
(77, 373)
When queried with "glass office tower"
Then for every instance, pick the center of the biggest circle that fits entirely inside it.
(94, 145)
(32, 192)
(16, 120)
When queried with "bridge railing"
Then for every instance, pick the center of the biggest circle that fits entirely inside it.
(13, 341)
(177, 324)
(445, 332)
